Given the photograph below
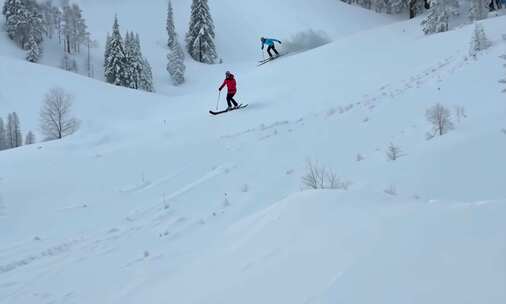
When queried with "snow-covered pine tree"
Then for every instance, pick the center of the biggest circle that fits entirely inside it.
(175, 56)
(397, 6)
(139, 70)
(29, 138)
(200, 37)
(176, 67)
(437, 19)
(14, 136)
(107, 49)
(146, 73)
(146, 82)
(133, 64)
(116, 70)
(170, 27)
(34, 50)
(24, 24)
(479, 9)
(479, 40)
(3, 136)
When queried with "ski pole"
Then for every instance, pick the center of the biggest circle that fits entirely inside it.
(218, 101)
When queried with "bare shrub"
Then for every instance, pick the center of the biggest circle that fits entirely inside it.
(360, 157)
(394, 152)
(391, 190)
(55, 116)
(319, 177)
(460, 113)
(441, 120)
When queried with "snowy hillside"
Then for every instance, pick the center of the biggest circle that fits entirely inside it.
(156, 201)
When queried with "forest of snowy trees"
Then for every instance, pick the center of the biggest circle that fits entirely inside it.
(10, 133)
(124, 64)
(28, 23)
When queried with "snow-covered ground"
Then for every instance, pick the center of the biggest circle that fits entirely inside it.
(155, 201)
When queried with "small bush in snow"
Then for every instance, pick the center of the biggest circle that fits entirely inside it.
(318, 177)
(441, 120)
(479, 40)
(391, 190)
(359, 157)
(68, 63)
(394, 152)
(56, 121)
(460, 113)
(304, 41)
(29, 138)
(146, 254)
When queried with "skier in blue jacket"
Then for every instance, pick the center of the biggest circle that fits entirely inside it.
(270, 45)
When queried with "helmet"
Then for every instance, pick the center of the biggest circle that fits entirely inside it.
(227, 73)
(262, 38)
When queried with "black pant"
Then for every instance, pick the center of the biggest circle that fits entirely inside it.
(271, 47)
(231, 100)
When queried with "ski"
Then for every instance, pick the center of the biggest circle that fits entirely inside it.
(241, 106)
(262, 62)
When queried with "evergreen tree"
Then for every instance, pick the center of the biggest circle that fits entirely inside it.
(3, 136)
(479, 40)
(29, 138)
(14, 136)
(146, 82)
(116, 70)
(200, 37)
(479, 9)
(176, 67)
(133, 63)
(107, 50)
(34, 50)
(437, 19)
(25, 25)
(139, 70)
(171, 29)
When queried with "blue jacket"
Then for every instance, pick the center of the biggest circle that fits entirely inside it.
(269, 42)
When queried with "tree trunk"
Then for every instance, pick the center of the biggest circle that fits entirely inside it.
(412, 9)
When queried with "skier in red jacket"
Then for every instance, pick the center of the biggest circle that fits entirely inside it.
(231, 90)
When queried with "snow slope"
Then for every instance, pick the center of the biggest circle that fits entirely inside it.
(155, 201)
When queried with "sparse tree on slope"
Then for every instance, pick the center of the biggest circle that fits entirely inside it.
(56, 121)
(29, 138)
(479, 40)
(200, 37)
(14, 136)
(437, 19)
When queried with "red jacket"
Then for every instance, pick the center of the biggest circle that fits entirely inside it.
(230, 83)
